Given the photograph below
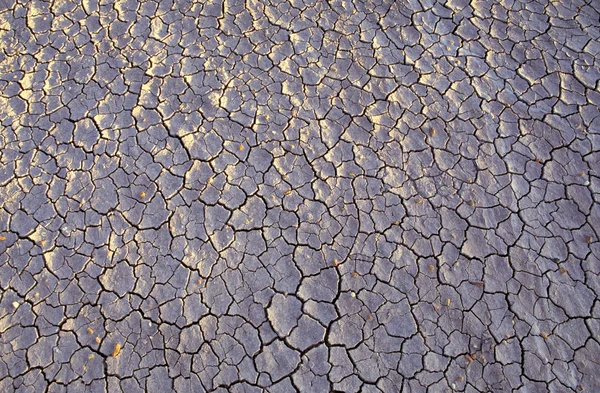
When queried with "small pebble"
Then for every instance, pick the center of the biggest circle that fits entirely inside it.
(117, 350)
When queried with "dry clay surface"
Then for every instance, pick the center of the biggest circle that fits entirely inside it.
(299, 196)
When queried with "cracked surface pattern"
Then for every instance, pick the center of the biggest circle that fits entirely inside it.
(299, 196)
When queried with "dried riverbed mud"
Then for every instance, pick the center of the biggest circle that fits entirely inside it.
(299, 196)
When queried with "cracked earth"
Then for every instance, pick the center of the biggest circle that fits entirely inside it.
(299, 196)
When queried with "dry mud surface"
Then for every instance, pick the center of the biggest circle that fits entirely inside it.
(299, 196)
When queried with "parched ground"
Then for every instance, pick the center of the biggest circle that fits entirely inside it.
(300, 196)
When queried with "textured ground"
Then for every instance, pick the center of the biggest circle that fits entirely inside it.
(301, 196)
